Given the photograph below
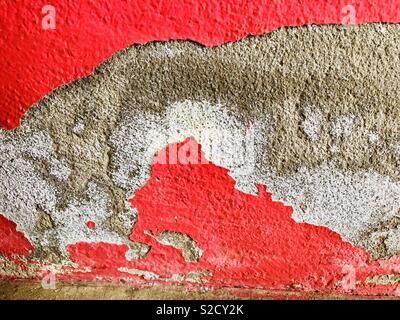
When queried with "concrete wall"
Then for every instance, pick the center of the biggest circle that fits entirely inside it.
(270, 162)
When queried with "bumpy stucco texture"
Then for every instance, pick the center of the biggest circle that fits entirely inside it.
(310, 112)
(35, 60)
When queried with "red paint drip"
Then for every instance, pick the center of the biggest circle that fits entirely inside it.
(248, 241)
(35, 61)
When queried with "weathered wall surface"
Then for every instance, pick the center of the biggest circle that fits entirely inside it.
(271, 162)
(37, 58)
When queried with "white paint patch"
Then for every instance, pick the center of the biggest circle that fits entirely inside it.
(70, 224)
(373, 137)
(59, 169)
(164, 51)
(342, 126)
(312, 123)
(347, 203)
(23, 190)
(78, 128)
(334, 148)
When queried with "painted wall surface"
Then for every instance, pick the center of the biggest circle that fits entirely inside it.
(35, 61)
(133, 174)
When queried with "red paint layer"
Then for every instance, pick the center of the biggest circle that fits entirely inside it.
(247, 240)
(35, 61)
(12, 242)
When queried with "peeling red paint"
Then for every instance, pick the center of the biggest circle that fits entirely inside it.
(12, 242)
(35, 61)
(248, 241)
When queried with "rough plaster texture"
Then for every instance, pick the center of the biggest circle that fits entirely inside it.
(310, 112)
(77, 44)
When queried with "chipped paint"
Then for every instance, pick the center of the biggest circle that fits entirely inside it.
(190, 251)
(75, 48)
(296, 123)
